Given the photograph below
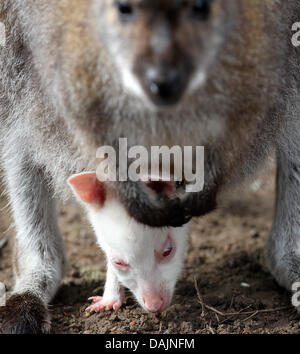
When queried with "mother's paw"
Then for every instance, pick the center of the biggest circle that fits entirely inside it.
(24, 314)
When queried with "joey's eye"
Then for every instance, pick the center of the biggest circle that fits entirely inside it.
(118, 263)
(201, 9)
(167, 252)
(125, 10)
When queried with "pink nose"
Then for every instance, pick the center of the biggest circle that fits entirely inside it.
(153, 301)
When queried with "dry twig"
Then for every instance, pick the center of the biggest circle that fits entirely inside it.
(239, 313)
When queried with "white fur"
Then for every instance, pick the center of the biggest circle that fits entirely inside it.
(130, 81)
(135, 243)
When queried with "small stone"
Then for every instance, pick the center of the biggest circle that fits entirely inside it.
(255, 235)
(245, 285)
(87, 314)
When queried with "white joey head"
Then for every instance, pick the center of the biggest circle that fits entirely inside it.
(146, 260)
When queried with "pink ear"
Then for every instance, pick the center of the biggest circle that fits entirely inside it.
(88, 188)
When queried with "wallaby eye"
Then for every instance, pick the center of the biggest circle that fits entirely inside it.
(201, 9)
(167, 252)
(118, 263)
(125, 10)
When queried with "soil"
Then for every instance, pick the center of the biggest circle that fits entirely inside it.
(225, 257)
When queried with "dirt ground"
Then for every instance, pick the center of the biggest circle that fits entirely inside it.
(225, 256)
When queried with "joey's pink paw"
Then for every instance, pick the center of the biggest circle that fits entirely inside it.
(101, 304)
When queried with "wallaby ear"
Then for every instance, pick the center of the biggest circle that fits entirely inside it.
(88, 188)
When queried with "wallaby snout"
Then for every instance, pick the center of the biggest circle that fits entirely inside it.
(165, 84)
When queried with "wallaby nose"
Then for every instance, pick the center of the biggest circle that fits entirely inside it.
(153, 302)
(165, 86)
